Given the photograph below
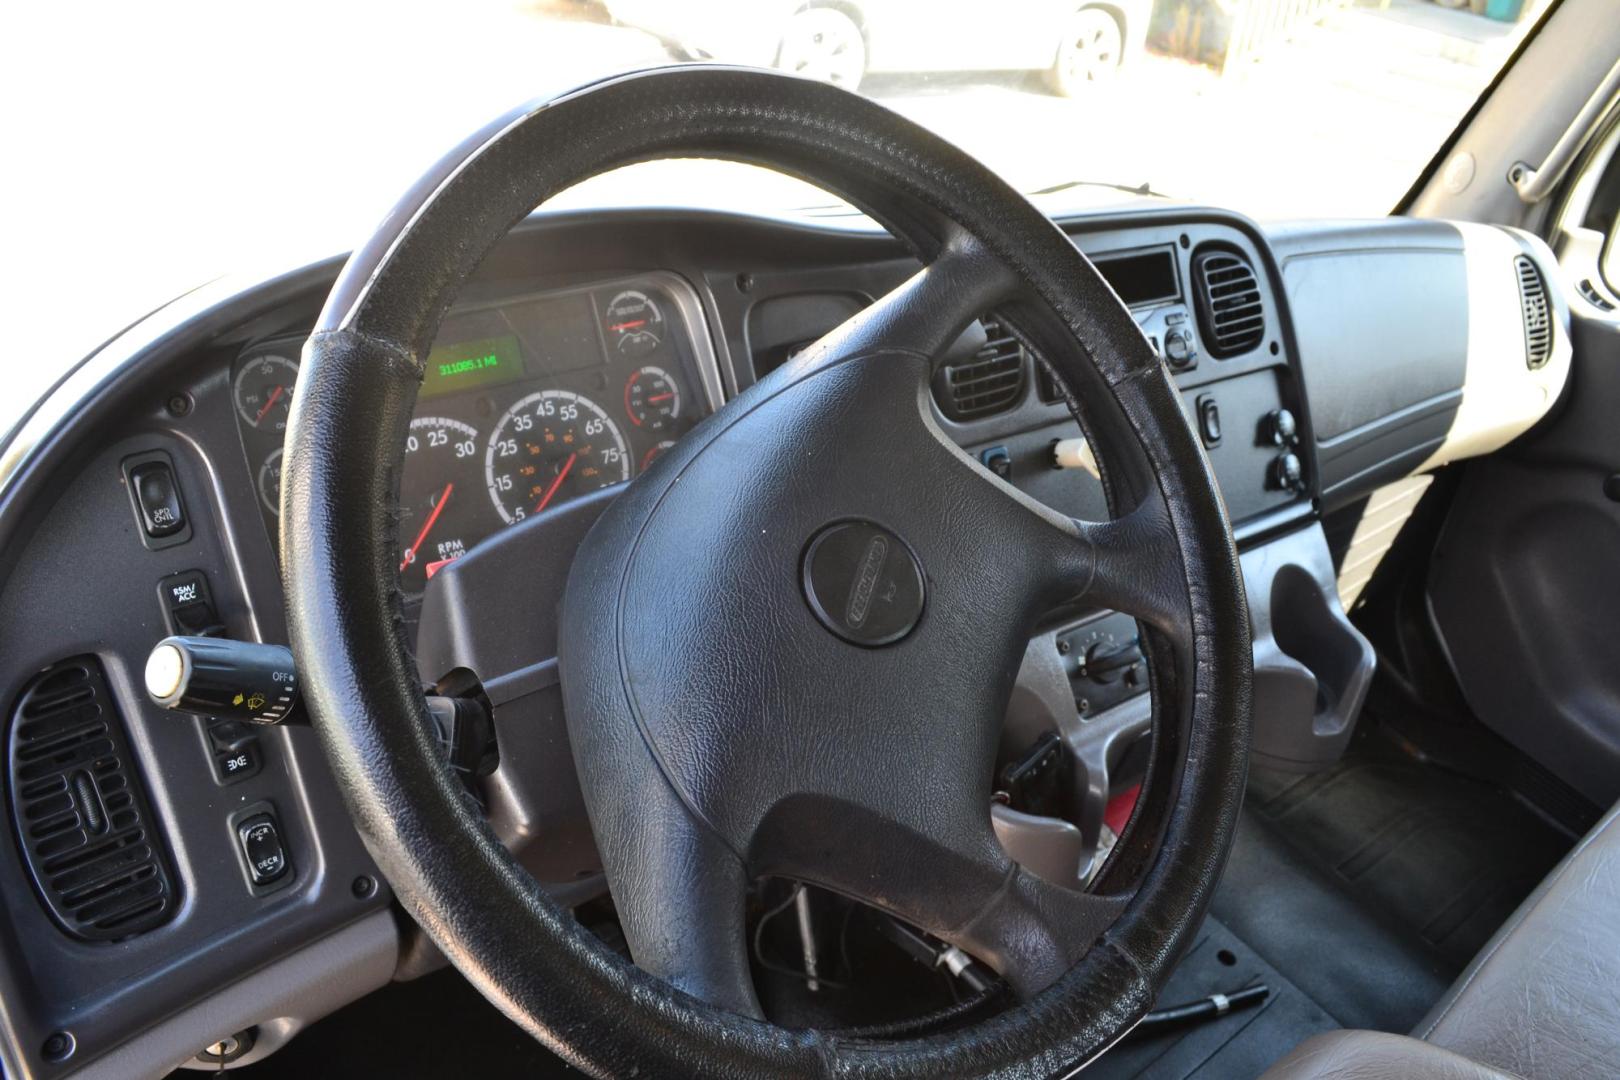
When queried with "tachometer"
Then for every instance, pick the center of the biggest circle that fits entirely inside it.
(548, 448)
(264, 387)
(441, 515)
(652, 398)
(634, 324)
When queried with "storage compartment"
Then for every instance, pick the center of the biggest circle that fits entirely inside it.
(1311, 666)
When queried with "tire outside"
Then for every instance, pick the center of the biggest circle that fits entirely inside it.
(823, 44)
(1089, 52)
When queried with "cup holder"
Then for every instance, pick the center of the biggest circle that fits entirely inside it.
(1311, 666)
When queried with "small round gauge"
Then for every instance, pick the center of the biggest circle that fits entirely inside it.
(634, 324)
(548, 448)
(264, 387)
(652, 398)
(440, 513)
(655, 453)
(270, 482)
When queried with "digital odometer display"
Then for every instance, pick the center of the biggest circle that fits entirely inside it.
(468, 365)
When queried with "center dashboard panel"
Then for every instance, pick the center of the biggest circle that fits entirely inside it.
(526, 404)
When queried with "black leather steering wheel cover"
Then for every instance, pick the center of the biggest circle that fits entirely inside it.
(350, 412)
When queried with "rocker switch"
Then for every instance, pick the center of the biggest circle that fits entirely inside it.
(159, 499)
(260, 838)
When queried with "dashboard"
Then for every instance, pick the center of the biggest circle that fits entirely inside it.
(1317, 362)
(527, 403)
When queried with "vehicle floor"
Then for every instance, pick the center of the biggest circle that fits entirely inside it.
(1356, 895)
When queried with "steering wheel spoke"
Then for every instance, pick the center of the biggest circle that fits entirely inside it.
(924, 314)
(1132, 566)
(947, 875)
(1129, 564)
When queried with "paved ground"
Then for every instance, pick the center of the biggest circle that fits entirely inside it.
(166, 145)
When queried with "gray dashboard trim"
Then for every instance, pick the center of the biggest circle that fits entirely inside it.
(280, 1000)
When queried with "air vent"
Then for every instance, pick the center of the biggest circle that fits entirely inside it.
(80, 814)
(991, 381)
(1231, 317)
(1537, 317)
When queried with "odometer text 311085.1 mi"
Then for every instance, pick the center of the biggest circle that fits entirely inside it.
(550, 447)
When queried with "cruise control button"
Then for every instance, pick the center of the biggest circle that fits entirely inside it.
(187, 604)
(260, 838)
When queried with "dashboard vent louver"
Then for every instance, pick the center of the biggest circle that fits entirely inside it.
(989, 382)
(1231, 315)
(81, 816)
(1537, 315)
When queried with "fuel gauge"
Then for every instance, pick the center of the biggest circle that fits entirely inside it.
(633, 323)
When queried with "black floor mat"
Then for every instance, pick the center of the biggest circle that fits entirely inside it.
(1357, 967)
(1443, 857)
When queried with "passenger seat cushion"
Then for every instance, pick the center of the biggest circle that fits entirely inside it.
(1375, 1055)
(1542, 999)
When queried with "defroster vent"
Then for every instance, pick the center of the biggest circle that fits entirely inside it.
(81, 815)
(1537, 316)
(989, 382)
(1231, 314)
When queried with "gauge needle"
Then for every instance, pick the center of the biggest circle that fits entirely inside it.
(659, 397)
(275, 396)
(631, 325)
(427, 526)
(557, 483)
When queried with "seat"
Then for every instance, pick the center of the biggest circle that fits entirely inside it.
(1540, 1001)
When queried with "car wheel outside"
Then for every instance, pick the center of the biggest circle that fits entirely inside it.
(1090, 52)
(823, 44)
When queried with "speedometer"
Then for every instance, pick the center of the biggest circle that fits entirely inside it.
(548, 448)
(440, 513)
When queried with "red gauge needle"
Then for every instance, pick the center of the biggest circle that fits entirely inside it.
(275, 396)
(631, 325)
(659, 397)
(562, 474)
(427, 526)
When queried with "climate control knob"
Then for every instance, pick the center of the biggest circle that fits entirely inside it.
(1106, 661)
(1179, 349)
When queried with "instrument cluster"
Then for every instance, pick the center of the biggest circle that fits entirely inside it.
(525, 404)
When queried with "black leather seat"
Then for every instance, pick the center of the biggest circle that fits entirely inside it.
(1540, 1001)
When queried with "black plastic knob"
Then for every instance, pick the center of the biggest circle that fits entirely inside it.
(231, 680)
(1281, 429)
(1105, 662)
(1287, 472)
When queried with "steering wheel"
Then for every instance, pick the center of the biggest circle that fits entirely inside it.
(831, 602)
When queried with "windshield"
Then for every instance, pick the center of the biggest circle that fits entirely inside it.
(167, 144)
